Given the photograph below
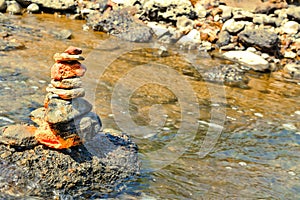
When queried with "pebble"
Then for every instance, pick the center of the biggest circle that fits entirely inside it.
(243, 164)
(297, 112)
(292, 173)
(73, 50)
(258, 115)
(290, 127)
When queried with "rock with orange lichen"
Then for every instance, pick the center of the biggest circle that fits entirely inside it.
(64, 70)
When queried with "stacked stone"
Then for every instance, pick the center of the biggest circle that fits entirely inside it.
(66, 118)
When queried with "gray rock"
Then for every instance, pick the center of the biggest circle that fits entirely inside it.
(249, 59)
(67, 83)
(33, 8)
(62, 111)
(3, 5)
(224, 39)
(261, 39)
(158, 29)
(293, 12)
(231, 75)
(121, 24)
(66, 93)
(168, 10)
(14, 8)
(85, 126)
(18, 135)
(62, 34)
(102, 166)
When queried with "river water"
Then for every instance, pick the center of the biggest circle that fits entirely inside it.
(197, 140)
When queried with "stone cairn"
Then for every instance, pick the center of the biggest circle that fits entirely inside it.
(66, 118)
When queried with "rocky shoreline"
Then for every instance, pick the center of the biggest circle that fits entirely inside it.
(264, 39)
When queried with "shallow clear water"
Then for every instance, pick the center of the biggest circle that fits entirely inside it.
(197, 140)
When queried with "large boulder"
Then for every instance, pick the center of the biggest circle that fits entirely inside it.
(92, 170)
(121, 24)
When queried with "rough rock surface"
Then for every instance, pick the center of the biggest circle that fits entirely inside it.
(121, 24)
(261, 39)
(96, 169)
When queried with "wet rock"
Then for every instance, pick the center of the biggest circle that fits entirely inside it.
(33, 8)
(249, 59)
(8, 45)
(80, 172)
(67, 83)
(230, 75)
(121, 24)
(261, 39)
(290, 27)
(62, 34)
(14, 8)
(3, 5)
(21, 136)
(62, 111)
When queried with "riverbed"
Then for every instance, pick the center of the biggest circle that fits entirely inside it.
(197, 139)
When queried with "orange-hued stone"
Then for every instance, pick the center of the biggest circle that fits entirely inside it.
(62, 70)
(73, 50)
(46, 136)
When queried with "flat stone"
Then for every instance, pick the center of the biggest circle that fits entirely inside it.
(63, 70)
(19, 135)
(250, 59)
(66, 57)
(233, 27)
(67, 93)
(62, 111)
(73, 50)
(67, 83)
